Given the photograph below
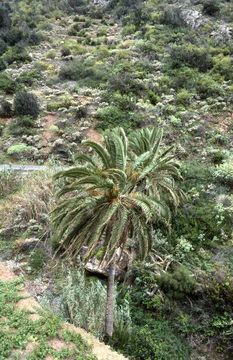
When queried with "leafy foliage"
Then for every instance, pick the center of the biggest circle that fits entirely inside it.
(25, 330)
(122, 180)
(26, 103)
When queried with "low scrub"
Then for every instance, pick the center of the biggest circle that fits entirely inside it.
(18, 151)
(224, 172)
(191, 55)
(7, 85)
(26, 103)
(33, 202)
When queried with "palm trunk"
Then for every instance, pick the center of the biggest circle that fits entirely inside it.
(109, 316)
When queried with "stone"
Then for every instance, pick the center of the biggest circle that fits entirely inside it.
(123, 262)
(27, 244)
(223, 33)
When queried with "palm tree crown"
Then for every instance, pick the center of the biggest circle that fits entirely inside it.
(116, 193)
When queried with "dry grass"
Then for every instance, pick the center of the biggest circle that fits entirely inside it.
(34, 200)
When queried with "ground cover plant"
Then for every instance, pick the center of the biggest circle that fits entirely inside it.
(18, 331)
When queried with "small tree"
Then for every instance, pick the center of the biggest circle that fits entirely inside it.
(26, 103)
(116, 194)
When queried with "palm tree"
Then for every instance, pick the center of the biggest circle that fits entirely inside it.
(109, 198)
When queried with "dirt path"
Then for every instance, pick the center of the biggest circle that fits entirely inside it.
(28, 303)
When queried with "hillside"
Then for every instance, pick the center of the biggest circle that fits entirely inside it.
(73, 69)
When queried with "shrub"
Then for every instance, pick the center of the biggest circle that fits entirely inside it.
(82, 296)
(37, 260)
(26, 103)
(34, 202)
(5, 108)
(206, 87)
(184, 97)
(122, 101)
(29, 77)
(3, 65)
(3, 46)
(153, 98)
(224, 66)
(17, 54)
(80, 70)
(211, 7)
(126, 82)
(181, 78)
(9, 183)
(217, 156)
(224, 172)
(19, 150)
(35, 38)
(7, 85)
(172, 15)
(5, 20)
(13, 36)
(112, 116)
(191, 55)
(156, 341)
(65, 51)
(178, 283)
(22, 126)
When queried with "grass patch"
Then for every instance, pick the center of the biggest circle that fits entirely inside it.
(17, 331)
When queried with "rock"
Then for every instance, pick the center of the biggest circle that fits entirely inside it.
(68, 58)
(7, 232)
(27, 244)
(60, 146)
(61, 123)
(193, 18)
(122, 264)
(223, 33)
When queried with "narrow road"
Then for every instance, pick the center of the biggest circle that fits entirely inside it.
(23, 168)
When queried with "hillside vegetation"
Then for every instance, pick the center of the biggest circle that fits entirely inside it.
(76, 69)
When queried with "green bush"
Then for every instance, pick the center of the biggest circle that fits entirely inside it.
(156, 341)
(65, 51)
(112, 116)
(224, 66)
(183, 77)
(153, 98)
(206, 87)
(80, 70)
(178, 283)
(82, 296)
(37, 260)
(35, 38)
(184, 97)
(122, 101)
(17, 54)
(172, 15)
(191, 55)
(3, 64)
(19, 150)
(13, 36)
(126, 82)
(7, 85)
(5, 108)
(211, 7)
(5, 20)
(26, 103)
(224, 172)
(3, 46)
(28, 78)
(217, 156)
(23, 125)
